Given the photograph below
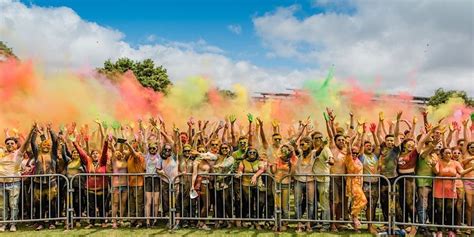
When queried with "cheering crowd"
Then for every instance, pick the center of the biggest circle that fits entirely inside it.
(230, 172)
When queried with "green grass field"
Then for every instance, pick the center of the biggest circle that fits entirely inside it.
(27, 232)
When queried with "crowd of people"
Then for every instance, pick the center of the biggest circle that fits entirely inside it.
(232, 172)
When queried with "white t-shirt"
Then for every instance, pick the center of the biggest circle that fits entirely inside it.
(10, 165)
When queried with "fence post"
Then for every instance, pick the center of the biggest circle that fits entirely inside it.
(172, 202)
(392, 199)
(277, 190)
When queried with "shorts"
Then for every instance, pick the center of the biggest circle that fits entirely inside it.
(469, 186)
(152, 184)
(371, 192)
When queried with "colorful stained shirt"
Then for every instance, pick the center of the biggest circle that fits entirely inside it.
(136, 165)
(321, 164)
(424, 168)
(389, 161)
(304, 167)
(10, 165)
(151, 163)
(445, 188)
(339, 166)
(407, 162)
(283, 169)
(371, 166)
(353, 166)
(170, 167)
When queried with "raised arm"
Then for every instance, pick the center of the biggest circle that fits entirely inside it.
(105, 155)
(54, 139)
(465, 136)
(250, 119)
(232, 119)
(34, 145)
(82, 154)
(262, 134)
(330, 134)
(25, 144)
(397, 129)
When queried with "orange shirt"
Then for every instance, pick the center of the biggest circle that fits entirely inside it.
(136, 164)
(445, 188)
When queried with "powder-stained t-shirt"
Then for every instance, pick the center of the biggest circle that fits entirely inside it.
(389, 162)
(371, 166)
(321, 164)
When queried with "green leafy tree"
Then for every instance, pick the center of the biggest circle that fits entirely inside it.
(441, 96)
(145, 71)
(6, 51)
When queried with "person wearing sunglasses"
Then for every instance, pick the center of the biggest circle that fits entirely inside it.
(167, 168)
(283, 166)
(305, 183)
(468, 162)
(186, 207)
(200, 184)
(152, 182)
(238, 155)
(354, 185)
(322, 166)
(223, 183)
(10, 163)
(250, 169)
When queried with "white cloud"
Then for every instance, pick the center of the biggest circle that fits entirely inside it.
(151, 38)
(60, 39)
(428, 42)
(236, 29)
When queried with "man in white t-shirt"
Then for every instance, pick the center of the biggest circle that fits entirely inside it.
(10, 165)
(322, 166)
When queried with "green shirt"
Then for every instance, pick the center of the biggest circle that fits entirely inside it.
(238, 156)
(423, 168)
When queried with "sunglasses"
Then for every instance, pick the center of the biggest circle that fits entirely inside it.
(214, 144)
(277, 139)
(152, 148)
(224, 148)
(10, 143)
(317, 138)
(252, 152)
(187, 151)
(167, 149)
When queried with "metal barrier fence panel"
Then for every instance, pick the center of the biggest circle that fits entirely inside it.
(34, 198)
(140, 198)
(434, 202)
(224, 197)
(324, 199)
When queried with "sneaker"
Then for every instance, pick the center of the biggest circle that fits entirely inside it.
(39, 227)
(12, 228)
(52, 227)
(78, 224)
(2, 228)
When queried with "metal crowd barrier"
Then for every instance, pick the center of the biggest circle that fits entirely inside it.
(48, 199)
(316, 200)
(34, 198)
(417, 205)
(141, 204)
(223, 197)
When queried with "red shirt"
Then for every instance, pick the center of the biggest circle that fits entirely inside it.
(407, 163)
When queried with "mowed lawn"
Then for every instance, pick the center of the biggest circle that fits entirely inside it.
(28, 232)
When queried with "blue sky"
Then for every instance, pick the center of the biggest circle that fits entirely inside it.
(190, 21)
(281, 44)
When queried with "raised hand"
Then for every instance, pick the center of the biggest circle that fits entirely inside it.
(259, 121)
(372, 127)
(232, 118)
(399, 115)
(381, 116)
(191, 122)
(275, 123)
(250, 117)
